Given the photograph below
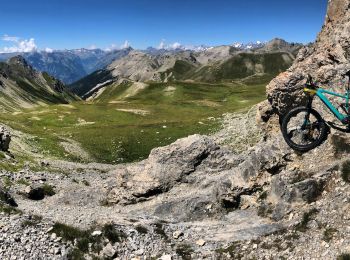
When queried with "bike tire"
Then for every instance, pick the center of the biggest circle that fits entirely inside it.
(307, 147)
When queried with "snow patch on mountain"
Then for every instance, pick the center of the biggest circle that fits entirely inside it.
(249, 45)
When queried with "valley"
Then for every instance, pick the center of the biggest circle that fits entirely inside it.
(124, 123)
(133, 100)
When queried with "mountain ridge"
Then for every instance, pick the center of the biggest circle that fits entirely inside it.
(24, 87)
(216, 64)
(71, 65)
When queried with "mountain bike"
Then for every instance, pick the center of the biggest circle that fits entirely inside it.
(303, 128)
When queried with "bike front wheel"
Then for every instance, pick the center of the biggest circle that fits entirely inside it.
(303, 129)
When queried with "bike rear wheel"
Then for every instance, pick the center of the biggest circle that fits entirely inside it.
(303, 129)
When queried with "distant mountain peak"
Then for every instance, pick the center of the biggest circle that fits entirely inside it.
(18, 60)
(249, 45)
(72, 65)
(278, 44)
(27, 87)
(277, 41)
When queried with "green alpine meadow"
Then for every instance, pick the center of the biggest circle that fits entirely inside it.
(122, 125)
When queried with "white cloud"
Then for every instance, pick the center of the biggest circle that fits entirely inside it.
(172, 46)
(111, 47)
(8, 38)
(176, 45)
(49, 50)
(19, 45)
(126, 45)
(162, 45)
(92, 47)
(114, 46)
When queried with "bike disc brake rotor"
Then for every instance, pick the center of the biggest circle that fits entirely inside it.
(301, 131)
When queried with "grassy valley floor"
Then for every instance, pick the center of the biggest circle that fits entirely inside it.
(126, 121)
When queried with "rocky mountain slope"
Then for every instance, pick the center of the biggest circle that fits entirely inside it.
(327, 61)
(193, 199)
(216, 64)
(23, 87)
(69, 65)
(202, 197)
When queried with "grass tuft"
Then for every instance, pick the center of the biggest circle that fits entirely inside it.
(141, 229)
(184, 250)
(48, 190)
(85, 182)
(159, 229)
(9, 209)
(344, 257)
(307, 217)
(231, 250)
(112, 234)
(32, 221)
(329, 233)
(84, 239)
(23, 182)
(7, 182)
(263, 195)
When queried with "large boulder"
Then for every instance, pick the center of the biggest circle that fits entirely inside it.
(6, 198)
(194, 177)
(5, 139)
(165, 167)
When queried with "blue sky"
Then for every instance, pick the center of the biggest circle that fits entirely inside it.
(65, 24)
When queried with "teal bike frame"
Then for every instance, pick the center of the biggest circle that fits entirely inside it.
(321, 94)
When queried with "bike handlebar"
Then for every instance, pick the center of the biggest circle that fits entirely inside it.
(309, 79)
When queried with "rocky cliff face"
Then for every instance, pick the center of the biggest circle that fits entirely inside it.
(327, 60)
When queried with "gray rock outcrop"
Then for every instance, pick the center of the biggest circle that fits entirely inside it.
(6, 198)
(165, 167)
(5, 139)
(183, 179)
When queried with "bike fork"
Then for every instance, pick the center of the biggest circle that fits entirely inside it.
(347, 106)
(307, 116)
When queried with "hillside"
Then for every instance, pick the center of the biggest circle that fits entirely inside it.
(24, 87)
(217, 64)
(243, 66)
